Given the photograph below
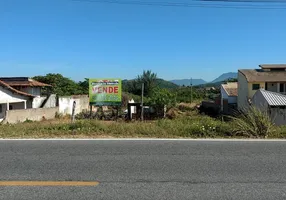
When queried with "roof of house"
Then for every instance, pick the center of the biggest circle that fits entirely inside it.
(230, 88)
(23, 81)
(273, 66)
(273, 98)
(258, 75)
(5, 85)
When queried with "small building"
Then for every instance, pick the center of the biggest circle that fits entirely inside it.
(20, 93)
(273, 103)
(228, 94)
(271, 77)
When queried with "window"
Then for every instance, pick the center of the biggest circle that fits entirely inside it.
(10, 107)
(281, 87)
(255, 86)
(1, 109)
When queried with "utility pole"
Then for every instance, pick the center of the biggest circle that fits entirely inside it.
(191, 90)
(142, 103)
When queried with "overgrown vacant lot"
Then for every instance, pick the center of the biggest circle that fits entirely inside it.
(194, 126)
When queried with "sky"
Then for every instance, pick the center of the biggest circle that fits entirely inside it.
(84, 39)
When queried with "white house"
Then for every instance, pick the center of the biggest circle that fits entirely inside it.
(19, 93)
(273, 103)
(11, 98)
(228, 93)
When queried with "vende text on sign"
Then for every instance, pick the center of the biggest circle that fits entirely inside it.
(105, 92)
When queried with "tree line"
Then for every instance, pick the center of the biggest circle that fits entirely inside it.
(156, 91)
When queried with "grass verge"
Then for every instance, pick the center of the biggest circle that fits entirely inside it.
(188, 126)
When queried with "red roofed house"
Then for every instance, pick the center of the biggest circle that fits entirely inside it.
(19, 93)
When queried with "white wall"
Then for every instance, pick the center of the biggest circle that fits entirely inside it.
(224, 95)
(66, 104)
(8, 96)
(133, 108)
(242, 99)
(259, 101)
(51, 102)
(38, 101)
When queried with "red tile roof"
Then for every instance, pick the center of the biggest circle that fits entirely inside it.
(230, 89)
(26, 83)
(5, 85)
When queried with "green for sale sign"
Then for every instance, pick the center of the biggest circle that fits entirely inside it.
(105, 92)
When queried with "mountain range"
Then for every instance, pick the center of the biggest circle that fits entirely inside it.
(221, 78)
(225, 76)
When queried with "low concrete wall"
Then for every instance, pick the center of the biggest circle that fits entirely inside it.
(35, 114)
(66, 104)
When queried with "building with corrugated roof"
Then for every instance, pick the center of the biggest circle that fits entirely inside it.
(271, 77)
(273, 103)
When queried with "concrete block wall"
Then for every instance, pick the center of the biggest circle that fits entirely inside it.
(36, 114)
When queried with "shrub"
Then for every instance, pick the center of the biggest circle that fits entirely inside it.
(253, 123)
(28, 121)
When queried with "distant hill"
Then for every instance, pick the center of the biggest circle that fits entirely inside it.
(225, 76)
(166, 84)
(187, 82)
(216, 84)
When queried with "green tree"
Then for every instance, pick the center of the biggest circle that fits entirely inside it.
(84, 86)
(149, 79)
(131, 86)
(230, 80)
(61, 85)
(161, 97)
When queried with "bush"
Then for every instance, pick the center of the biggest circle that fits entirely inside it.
(28, 121)
(253, 123)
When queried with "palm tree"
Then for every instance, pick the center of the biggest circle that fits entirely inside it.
(149, 79)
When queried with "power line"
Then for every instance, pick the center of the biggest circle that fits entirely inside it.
(192, 4)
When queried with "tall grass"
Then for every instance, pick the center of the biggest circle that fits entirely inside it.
(253, 123)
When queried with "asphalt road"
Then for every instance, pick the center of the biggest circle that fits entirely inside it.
(145, 169)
